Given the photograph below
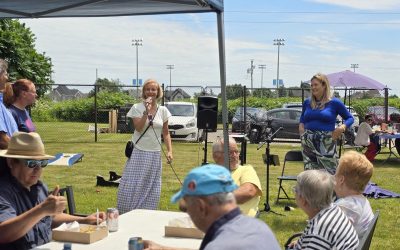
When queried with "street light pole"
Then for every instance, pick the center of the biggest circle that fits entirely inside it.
(137, 42)
(279, 42)
(170, 67)
(262, 67)
(250, 71)
(354, 66)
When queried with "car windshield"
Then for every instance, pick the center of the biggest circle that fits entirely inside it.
(180, 109)
(249, 111)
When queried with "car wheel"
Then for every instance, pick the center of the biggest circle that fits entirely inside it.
(200, 137)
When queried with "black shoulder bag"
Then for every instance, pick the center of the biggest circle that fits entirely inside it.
(130, 145)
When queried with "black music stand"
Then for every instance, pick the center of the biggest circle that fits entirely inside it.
(268, 140)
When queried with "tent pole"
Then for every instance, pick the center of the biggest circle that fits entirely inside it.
(222, 70)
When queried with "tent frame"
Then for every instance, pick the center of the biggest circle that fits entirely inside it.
(15, 9)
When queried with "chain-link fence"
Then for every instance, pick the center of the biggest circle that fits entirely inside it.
(67, 114)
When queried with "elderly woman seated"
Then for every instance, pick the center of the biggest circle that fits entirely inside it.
(352, 176)
(27, 212)
(328, 227)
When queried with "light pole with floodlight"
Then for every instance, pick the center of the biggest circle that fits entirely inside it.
(137, 42)
(170, 67)
(354, 66)
(262, 67)
(278, 42)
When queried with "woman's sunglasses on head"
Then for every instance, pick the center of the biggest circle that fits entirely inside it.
(35, 163)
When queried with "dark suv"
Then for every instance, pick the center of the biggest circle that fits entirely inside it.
(238, 125)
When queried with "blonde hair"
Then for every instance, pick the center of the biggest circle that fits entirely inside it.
(326, 97)
(159, 89)
(356, 169)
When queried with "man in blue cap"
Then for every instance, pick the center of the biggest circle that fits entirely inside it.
(210, 203)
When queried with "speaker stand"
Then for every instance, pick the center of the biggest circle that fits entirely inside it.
(205, 148)
(268, 140)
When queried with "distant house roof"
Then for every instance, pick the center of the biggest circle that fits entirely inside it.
(64, 90)
(170, 95)
(368, 93)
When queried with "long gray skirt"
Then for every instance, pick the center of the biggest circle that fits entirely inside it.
(140, 185)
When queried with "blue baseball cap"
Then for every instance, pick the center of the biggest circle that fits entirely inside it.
(206, 180)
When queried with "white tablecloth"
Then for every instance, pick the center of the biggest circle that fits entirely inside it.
(148, 224)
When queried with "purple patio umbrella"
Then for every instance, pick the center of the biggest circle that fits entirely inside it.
(349, 79)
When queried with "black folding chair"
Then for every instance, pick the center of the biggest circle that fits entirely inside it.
(365, 241)
(293, 155)
(68, 192)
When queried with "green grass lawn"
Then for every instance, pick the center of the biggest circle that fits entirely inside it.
(108, 154)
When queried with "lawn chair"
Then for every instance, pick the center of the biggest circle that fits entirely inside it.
(293, 155)
(365, 242)
(69, 194)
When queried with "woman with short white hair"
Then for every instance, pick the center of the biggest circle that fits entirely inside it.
(328, 227)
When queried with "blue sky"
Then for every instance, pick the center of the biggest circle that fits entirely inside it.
(320, 36)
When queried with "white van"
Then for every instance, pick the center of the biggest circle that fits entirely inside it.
(182, 125)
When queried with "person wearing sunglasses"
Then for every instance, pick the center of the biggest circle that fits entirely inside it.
(27, 211)
(367, 137)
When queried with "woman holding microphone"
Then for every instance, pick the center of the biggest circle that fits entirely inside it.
(140, 185)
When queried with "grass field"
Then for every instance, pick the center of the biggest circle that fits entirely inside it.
(107, 154)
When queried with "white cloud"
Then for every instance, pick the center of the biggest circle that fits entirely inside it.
(322, 40)
(79, 46)
(364, 4)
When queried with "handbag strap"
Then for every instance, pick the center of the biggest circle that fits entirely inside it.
(148, 126)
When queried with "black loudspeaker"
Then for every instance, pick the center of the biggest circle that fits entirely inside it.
(207, 110)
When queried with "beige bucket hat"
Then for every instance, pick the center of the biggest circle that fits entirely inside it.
(25, 146)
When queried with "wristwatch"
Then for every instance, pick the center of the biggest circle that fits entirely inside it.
(145, 112)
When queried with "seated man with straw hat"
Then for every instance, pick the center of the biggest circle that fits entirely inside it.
(27, 212)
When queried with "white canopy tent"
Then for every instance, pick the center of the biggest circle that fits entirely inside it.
(103, 8)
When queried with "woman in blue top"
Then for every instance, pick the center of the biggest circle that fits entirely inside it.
(317, 126)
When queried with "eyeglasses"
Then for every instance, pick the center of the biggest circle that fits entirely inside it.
(30, 91)
(370, 120)
(35, 163)
(230, 152)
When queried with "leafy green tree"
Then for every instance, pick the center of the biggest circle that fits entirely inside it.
(282, 91)
(103, 84)
(234, 91)
(266, 93)
(17, 47)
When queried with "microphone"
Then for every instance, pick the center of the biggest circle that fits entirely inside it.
(148, 101)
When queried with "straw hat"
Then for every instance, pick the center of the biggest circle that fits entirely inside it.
(25, 146)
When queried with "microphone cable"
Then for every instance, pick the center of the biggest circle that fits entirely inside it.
(166, 157)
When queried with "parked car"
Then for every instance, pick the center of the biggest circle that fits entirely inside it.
(182, 125)
(293, 105)
(356, 117)
(299, 106)
(238, 125)
(378, 114)
(266, 123)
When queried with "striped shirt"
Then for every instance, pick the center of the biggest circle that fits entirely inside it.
(329, 229)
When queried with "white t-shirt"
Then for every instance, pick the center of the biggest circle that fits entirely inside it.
(362, 137)
(358, 210)
(150, 141)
